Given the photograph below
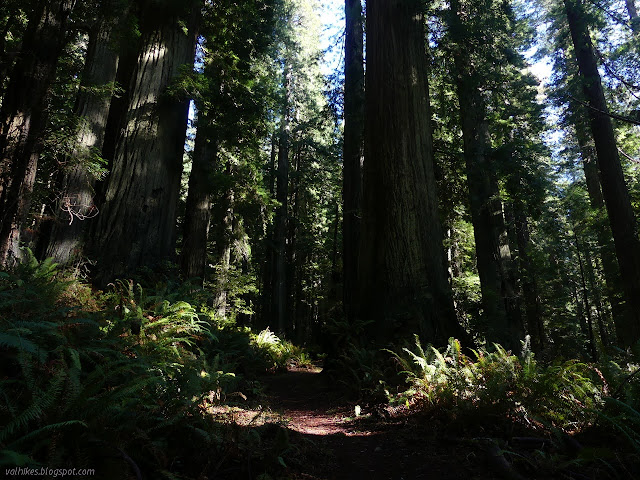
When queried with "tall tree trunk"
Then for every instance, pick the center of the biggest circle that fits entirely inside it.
(633, 15)
(403, 276)
(493, 255)
(23, 118)
(597, 297)
(279, 313)
(613, 282)
(77, 198)
(614, 188)
(266, 294)
(197, 217)
(588, 323)
(137, 222)
(294, 273)
(352, 150)
(224, 243)
(533, 309)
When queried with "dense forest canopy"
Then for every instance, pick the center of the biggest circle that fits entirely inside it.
(432, 187)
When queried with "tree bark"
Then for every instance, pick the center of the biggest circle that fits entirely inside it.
(614, 188)
(588, 322)
(137, 222)
(224, 242)
(526, 272)
(613, 282)
(76, 203)
(403, 276)
(23, 118)
(499, 299)
(267, 287)
(353, 151)
(279, 313)
(197, 218)
(633, 15)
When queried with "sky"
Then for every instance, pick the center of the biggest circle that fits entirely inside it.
(332, 41)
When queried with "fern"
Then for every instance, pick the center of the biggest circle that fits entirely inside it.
(42, 401)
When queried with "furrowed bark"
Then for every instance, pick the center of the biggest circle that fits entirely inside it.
(23, 118)
(136, 226)
(403, 276)
(76, 204)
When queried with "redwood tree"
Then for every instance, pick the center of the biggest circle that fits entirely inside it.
(353, 148)
(137, 221)
(499, 296)
(76, 200)
(614, 188)
(23, 117)
(403, 276)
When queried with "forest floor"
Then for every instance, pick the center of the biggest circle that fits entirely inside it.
(331, 443)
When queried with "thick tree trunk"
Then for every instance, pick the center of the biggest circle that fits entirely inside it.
(23, 118)
(352, 151)
(197, 217)
(76, 203)
(403, 276)
(137, 222)
(614, 188)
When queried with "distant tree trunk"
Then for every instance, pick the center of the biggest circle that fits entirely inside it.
(403, 276)
(633, 15)
(499, 299)
(76, 203)
(588, 324)
(527, 274)
(294, 269)
(224, 244)
(613, 282)
(137, 222)
(352, 151)
(23, 118)
(266, 294)
(597, 297)
(614, 188)
(197, 217)
(6, 60)
(279, 314)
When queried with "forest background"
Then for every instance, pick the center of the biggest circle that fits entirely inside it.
(187, 192)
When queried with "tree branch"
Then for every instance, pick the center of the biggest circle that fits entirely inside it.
(602, 112)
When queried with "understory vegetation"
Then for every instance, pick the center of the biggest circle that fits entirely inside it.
(203, 199)
(131, 381)
(123, 381)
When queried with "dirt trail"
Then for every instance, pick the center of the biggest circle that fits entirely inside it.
(370, 447)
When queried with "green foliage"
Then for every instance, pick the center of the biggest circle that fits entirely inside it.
(497, 383)
(131, 372)
(276, 352)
